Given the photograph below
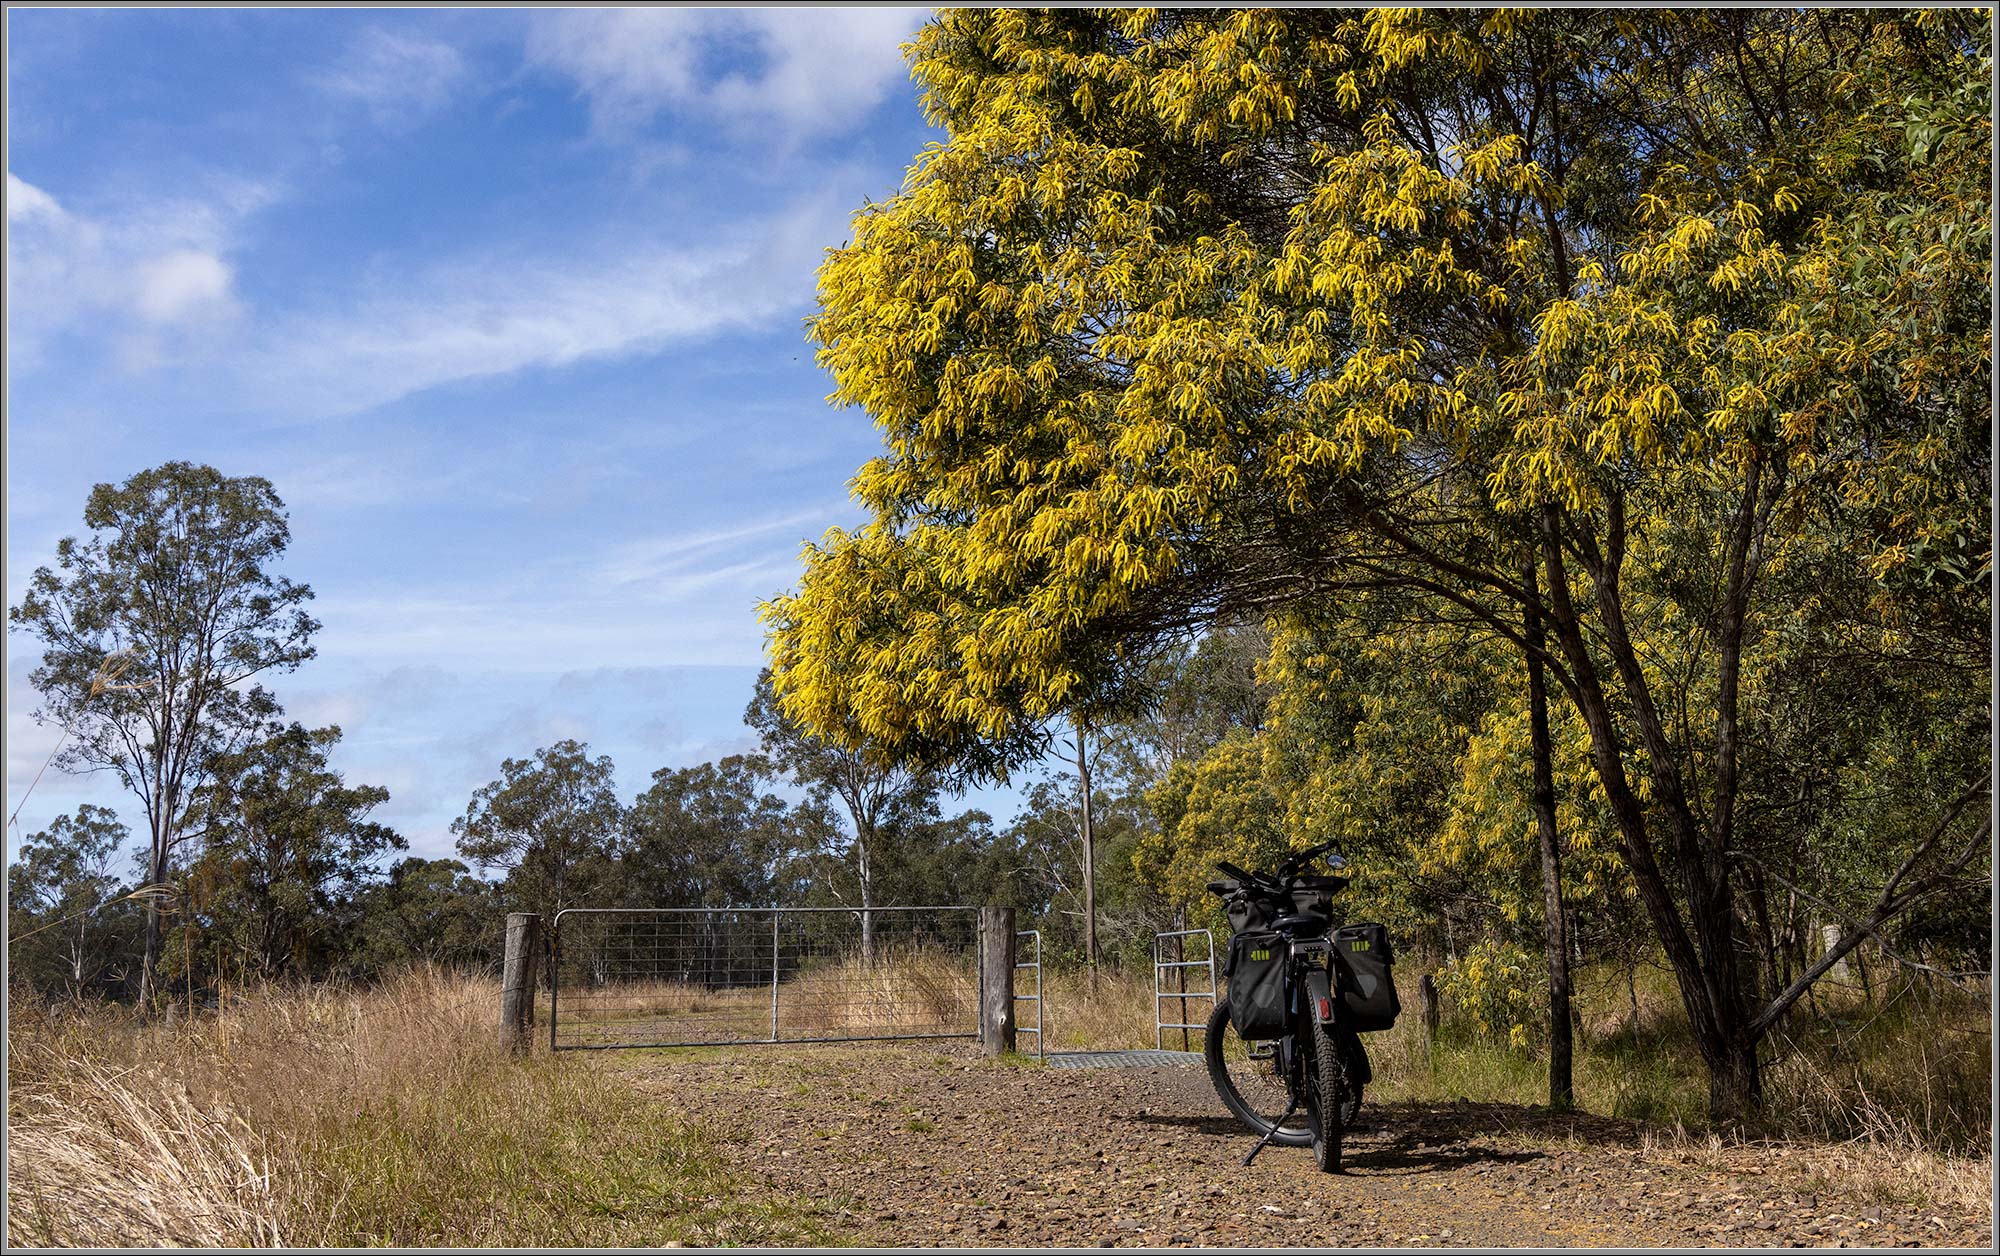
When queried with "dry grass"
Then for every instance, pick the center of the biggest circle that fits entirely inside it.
(334, 1118)
(1113, 1013)
(124, 1158)
(904, 990)
(1856, 1171)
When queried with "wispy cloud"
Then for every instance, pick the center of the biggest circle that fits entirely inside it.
(462, 320)
(398, 78)
(657, 558)
(785, 74)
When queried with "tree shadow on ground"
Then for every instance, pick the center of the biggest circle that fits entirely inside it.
(1463, 1119)
(1383, 1148)
(1407, 1138)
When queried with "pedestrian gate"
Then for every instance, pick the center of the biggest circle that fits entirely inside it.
(1176, 971)
(702, 976)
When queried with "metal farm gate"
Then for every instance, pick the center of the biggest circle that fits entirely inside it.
(703, 976)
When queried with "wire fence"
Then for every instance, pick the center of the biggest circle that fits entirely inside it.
(635, 977)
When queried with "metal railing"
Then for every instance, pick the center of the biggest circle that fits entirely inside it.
(1180, 965)
(711, 976)
(1041, 1005)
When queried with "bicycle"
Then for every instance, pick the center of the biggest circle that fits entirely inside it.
(1300, 993)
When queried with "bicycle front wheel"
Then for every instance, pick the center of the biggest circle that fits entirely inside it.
(1249, 1079)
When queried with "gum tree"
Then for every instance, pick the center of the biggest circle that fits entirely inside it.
(286, 845)
(173, 595)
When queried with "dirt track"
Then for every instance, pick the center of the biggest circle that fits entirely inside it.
(922, 1146)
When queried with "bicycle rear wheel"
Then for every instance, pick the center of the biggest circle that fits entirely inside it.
(1326, 1098)
(1247, 1078)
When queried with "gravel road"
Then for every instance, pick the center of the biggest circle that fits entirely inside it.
(912, 1145)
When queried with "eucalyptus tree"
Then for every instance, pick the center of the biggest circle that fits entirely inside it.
(552, 824)
(58, 886)
(155, 629)
(287, 845)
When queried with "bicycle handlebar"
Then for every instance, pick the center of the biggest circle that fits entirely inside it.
(1286, 871)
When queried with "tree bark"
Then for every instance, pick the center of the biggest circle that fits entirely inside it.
(1562, 1095)
(1089, 849)
(865, 874)
(149, 964)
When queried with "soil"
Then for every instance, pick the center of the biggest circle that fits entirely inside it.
(916, 1145)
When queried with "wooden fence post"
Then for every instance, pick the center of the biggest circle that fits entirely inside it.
(1427, 999)
(996, 979)
(517, 979)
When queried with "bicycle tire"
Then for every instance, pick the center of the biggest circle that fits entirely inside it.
(1219, 1044)
(1325, 1098)
(1354, 1061)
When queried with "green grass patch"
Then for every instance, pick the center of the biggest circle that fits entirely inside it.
(545, 1153)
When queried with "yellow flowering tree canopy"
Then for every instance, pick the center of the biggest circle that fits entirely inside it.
(1185, 295)
(1591, 315)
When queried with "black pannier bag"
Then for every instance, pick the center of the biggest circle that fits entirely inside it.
(1368, 999)
(1246, 914)
(1259, 1005)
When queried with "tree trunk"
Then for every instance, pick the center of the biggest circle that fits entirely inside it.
(1702, 947)
(1735, 1086)
(1089, 851)
(1829, 936)
(149, 964)
(1632, 992)
(865, 873)
(1562, 1096)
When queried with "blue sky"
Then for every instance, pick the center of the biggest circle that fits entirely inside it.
(508, 306)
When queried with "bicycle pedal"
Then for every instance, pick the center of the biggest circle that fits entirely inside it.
(1268, 1051)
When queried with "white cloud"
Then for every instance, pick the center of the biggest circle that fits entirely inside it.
(398, 78)
(182, 284)
(658, 558)
(805, 72)
(28, 203)
(143, 275)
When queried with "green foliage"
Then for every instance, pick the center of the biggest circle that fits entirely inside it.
(66, 928)
(552, 823)
(706, 837)
(1496, 986)
(427, 912)
(286, 843)
(1045, 846)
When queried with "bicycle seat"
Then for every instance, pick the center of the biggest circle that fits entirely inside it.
(1303, 925)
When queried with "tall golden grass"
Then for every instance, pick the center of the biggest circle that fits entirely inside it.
(321, 1117)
